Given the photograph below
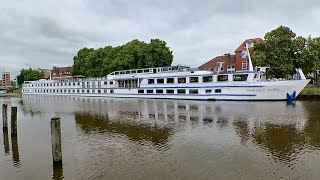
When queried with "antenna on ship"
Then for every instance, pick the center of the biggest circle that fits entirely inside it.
(249, 58)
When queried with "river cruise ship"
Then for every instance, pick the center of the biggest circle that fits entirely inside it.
(174, 82)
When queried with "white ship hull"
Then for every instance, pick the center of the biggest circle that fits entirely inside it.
(237, 91)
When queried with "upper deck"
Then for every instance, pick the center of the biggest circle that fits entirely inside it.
(166, 69)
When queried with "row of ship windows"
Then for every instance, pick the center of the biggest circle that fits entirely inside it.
(239, 77)
(140, 91)
(172, 91)
(70, 91)
(69, 84)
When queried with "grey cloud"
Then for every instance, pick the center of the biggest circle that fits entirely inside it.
(44, 33)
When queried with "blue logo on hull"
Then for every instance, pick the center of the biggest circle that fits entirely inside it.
(291, 97)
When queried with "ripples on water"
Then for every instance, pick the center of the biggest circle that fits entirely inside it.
(163, 139)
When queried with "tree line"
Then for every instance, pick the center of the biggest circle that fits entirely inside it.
(132, 55)
(283, 51)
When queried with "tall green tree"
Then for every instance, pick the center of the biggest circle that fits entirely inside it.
(311, 55)
(282, 50)
(29, 75)
(132, 55)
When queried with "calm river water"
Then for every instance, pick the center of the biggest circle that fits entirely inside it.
(163, 139)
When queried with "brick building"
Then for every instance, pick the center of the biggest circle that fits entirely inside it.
(231, 63)
(6, 81)
(61, 72)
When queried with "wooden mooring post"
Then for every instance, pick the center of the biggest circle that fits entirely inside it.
(13, 121)
(56, 141)
(5, 116)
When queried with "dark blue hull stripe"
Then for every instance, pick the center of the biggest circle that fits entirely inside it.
(112, 94)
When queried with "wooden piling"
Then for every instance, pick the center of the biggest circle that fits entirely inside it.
(5, 116)
(6, 142)
(13, 121)
(56, 141)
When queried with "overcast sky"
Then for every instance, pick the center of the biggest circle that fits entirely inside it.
(45, 33)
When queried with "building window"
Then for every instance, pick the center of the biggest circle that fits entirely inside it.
(159, 91)
(170, 80)
(241, 77)
(193, 91)
(208, 90)
(150, 91)
(223, 78)
(182, 80)
(160, 81)
(181, 91)
(207, 79)
(141, 91)
(194, 79)
(170, 91)
(230, 68)
(217, 90)
(150, 81)
(244, 65)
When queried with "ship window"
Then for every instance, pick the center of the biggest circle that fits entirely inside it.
(111, 91)
(170, 91)
(140, 91)
(111, 82)
(146, 70)
(160, 81)
(65, 91)
(207, 79)
(181, 91)
(150, 81)
(139, 71)
(105, 82)
(99, 91)
(193, 91)
(116, 73)
(170, 80)
(134, 71)
(182, 80)
(223, 78)
(73, 90)
(121, 72)
(159, 91)
(208, 90)
(88, 91)
(127, 72)
(240, 77)
(78, 84)
(105, 91)
(194, 79)
(150, 91)
(217, 90)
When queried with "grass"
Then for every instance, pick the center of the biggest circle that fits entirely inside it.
(311, 89)
(18, 90)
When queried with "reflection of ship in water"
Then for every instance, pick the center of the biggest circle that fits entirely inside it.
(284, 140)
(275, 127)
(136, 132)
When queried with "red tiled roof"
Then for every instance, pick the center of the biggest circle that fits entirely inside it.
(241, 47)
(228, 59)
